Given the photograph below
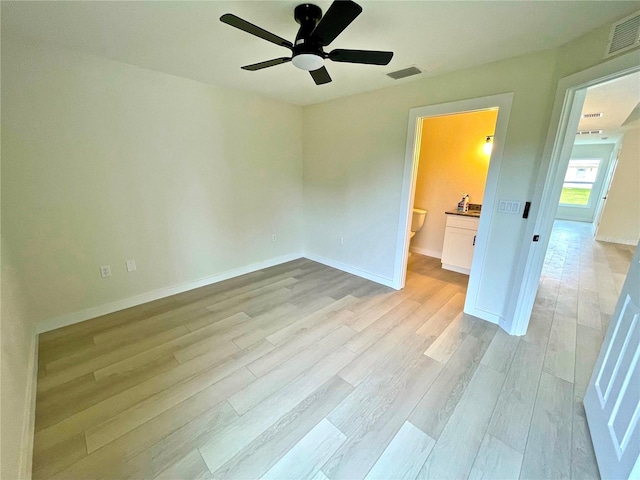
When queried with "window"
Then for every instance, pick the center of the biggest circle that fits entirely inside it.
(578, 182)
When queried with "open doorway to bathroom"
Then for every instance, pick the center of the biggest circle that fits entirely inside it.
(454, 156)
(453, 162)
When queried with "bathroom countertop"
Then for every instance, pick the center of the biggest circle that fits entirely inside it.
(470, 213)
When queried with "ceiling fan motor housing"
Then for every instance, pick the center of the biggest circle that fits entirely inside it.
(307, 51)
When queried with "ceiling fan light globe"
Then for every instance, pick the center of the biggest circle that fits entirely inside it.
(308, 61)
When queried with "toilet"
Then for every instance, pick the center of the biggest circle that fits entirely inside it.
(417, 221)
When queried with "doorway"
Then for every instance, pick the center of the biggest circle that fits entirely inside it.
(453, 161)
(608, 119)
(501, 103)
(566, 116)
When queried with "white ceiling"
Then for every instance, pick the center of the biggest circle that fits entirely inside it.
(186, 38)
(617, 100)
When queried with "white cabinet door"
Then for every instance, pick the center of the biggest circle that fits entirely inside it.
(457, 251)
(612, 400)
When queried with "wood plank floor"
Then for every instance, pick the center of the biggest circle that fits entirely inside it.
(303, 371)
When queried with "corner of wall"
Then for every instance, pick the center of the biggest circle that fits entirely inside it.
(26, 460)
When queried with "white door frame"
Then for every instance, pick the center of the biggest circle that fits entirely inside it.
(503, 103)
(560, 138)
(604, 194)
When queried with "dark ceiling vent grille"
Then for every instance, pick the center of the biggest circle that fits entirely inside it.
(405, 72)
(625, 34)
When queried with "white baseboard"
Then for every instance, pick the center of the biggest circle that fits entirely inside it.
(352, 270)
(29, 422)
(93, 312)
(454, 268)
(426, 251)
(623, 241)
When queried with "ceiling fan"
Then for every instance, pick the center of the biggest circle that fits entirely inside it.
(316, 31)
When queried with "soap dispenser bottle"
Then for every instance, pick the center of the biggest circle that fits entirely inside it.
(463, 205)
(466, 203)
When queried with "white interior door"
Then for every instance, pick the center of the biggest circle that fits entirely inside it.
(603, 199)
(612, 400)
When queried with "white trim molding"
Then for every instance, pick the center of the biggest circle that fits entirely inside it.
(29, 421)
(93, 312)
(623, 241)
(426, 252)
(388, 282)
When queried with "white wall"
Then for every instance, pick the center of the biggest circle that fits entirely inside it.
(620, 221)
(353, 170)
(603, 151)
(105, 162)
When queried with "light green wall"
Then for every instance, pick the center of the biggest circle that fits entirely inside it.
(353, 170)
(582, 52)
(105, 162)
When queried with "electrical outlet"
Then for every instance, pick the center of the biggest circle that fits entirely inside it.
(341, 240)
(274, 237)
(105, 271)
(131, 265)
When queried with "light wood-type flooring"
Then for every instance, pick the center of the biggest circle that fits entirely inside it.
(302, 371)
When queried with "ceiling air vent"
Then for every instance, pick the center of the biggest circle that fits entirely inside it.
(591, 115)
(625, 34)
(588, 132)
(405, 72)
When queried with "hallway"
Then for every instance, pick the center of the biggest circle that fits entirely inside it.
(579, 287)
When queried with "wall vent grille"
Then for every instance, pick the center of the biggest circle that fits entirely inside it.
(588, 132)
(405, 72)
(625, 35)
(591, 115)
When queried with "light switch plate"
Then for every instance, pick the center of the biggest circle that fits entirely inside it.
(509, 206)
(131, 265)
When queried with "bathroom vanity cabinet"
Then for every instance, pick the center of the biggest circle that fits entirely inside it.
(459, 241)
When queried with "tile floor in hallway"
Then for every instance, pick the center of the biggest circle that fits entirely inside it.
(303, 371)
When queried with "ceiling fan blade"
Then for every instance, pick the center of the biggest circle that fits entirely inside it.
(245, 26)
(371, 57)
(340, 14)
(268, 63)
(320, 76)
